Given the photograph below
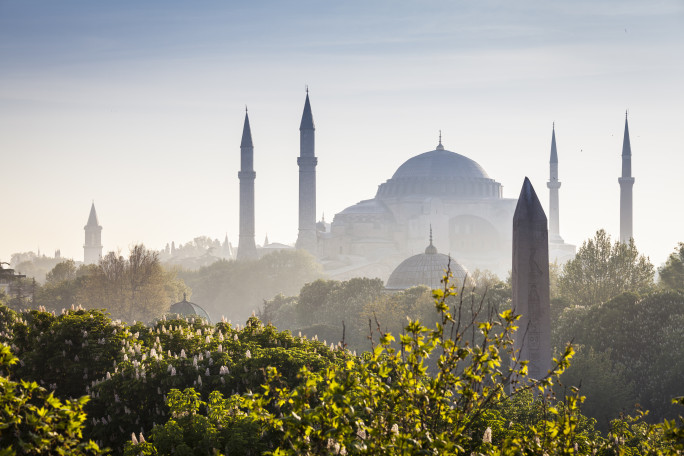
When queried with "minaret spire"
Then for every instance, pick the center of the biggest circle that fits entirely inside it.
(553, 185)
(92, 248)
(246, 244)
(626, 184)
(307, 161)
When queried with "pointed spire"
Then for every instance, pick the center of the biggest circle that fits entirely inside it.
(246, 132)
(554, 152)
(266, 240)
(626, 146)
(307, 117)
(92, 218)
(440, 146)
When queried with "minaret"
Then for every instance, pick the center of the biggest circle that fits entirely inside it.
(92, 248)
(307, 162)
(626, 184)
(553, 185)
(246, 244)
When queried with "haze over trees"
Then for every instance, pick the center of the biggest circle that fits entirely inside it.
(235, 289)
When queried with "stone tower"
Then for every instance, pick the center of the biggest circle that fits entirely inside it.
(626, 184)
(307, 162)
(92, 248)
(554, 184)
(530, 279)
(246, 245)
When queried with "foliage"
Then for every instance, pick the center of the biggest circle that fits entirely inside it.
(199, 427)
(672, 272)
(644, 333)
(602, 270)
(235, 288)
(388, 404)
(33, 421)
(136, 288)
(606, 384)
(180, 353)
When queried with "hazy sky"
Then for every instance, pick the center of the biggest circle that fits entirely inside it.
(139, 107)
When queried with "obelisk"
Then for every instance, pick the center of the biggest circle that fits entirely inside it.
(531, 283)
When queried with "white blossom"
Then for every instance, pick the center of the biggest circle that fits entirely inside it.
(487, 437)
(248, 354)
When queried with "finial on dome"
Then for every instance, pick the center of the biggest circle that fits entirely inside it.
(185, 296)
(430, 249)
(440, 146)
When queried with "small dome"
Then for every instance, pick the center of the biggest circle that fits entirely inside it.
(189, 309)
(440, 163)
(425, 269)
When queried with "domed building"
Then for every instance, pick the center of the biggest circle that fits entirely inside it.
(186, 308)
(427, 268)
(451, 192)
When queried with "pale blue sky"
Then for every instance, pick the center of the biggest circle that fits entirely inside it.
(139, 106)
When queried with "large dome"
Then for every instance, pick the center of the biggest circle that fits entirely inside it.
(425, 269)
(440, 173)
(440, 163)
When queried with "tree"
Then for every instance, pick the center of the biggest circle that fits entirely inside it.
(33, 421)
(137, 288)
(644, 334)
(601, 270)
(672, 272)
(235, 289)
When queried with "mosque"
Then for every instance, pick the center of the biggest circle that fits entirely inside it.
(438, 191)
(471, 221)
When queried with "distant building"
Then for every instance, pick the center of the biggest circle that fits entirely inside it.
(186, 308)
(8, 278)
(92, 248)
(451, 192)
(428, 268)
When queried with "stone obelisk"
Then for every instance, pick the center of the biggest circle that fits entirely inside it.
(531, 283)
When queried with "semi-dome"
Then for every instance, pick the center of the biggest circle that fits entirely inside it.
(425, 269)
(442, 173)
(189, 309)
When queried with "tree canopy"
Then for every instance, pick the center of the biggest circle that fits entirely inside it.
(602, 270)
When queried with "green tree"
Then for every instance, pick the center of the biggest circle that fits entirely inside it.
(601, 270)
(235, 289)
(672, 272)
(33, 421)
(136, 288)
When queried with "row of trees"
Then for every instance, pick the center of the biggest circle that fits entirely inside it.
(183, 386)
(132, 288)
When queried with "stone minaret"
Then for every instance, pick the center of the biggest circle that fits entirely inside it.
(554, 184)
(626, 184)
(92, 248)
(530, 280)
(246, 245)
(307, 162)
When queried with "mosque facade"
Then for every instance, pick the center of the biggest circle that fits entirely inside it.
(470, 218)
